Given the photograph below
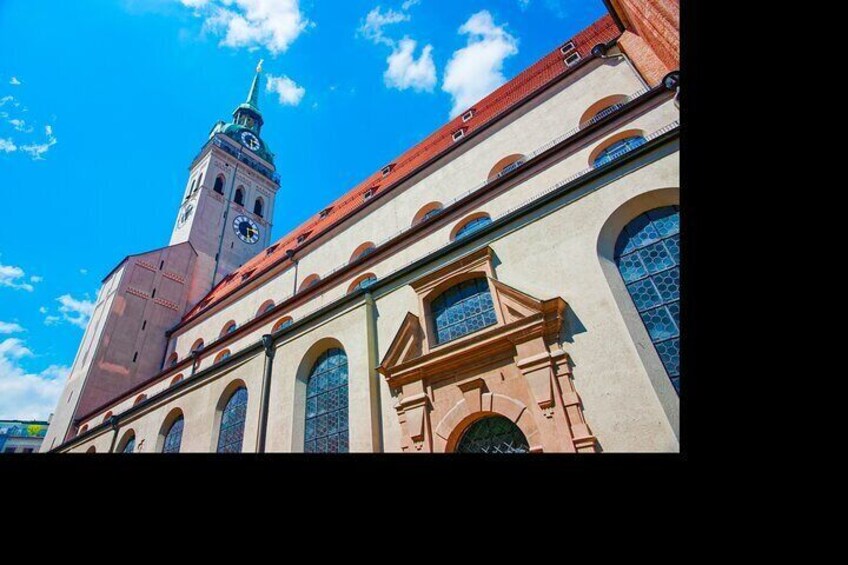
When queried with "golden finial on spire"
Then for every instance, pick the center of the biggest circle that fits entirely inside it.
(259, 66)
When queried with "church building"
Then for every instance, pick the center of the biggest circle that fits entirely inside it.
(511, 284)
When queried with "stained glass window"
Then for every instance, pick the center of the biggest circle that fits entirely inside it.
(648, 257)
(473, 226)
(493, 434)
(232, 423)
(431, 213)
(364, 283)
(604, 113)
(129, 447)
(463, 309)
(618, 149)
(174, 437)
(326, 404)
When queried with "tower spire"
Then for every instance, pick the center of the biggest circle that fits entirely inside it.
(253, 95)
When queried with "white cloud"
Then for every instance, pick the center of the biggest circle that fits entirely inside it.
(83, 271)
(272, 24)
(35, 279)
(289, 92)
(43, 309)
(36, 150)
(523, 4)
(12, 277)
(477, 69)
(20, 125)
(7, 145)
(76, 312)
(15, 81)
(25, 395)
(6, 99)
(52, 320)
(376, 20)
(404, 71)
(10, 328)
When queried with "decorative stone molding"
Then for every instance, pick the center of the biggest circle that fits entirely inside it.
(515, 368)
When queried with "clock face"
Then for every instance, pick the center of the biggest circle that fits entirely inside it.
(250, 140)
(185, 214)
(246, 229)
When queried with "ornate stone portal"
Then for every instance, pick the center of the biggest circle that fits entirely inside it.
(515, 368)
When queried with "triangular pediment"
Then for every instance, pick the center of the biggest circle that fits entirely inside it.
(515, 305)
(408, 343)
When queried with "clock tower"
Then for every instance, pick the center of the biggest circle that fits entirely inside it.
(226, 210)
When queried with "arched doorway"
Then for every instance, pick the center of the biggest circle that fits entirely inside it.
(493, 434)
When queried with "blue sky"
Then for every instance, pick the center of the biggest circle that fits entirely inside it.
(104, 103)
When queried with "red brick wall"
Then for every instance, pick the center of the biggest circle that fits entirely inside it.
(652, 36)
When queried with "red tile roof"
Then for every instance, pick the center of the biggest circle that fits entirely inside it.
(522, 87)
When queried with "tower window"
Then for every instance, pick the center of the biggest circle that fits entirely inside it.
(572, 59)
(219, 184)
(143, 325)
(154, 294)
(239, 198)
(161, 264)
(135, 356)
(258, 206)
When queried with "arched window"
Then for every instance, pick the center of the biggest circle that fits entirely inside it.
(239, 197)
(363, 250)
(219, 184)
(267, 305)
(139, 399)
(172, 359)
(463, 309)
(231, 433)
(83, 429)
(617, 149)
(493, 434)
(198, 345)
(199, 182)
(428, 211)
(225, 354)
(647, 254)
(107, 415)
(506, 165)
(283, 323)
(311, 280)
(176, 379)
(174, 437)
(127, 445)
(91, 449)
(258, 206)
(326, 404)
(602, 108)
(363, 282)
(472, 226)
(228, 328)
